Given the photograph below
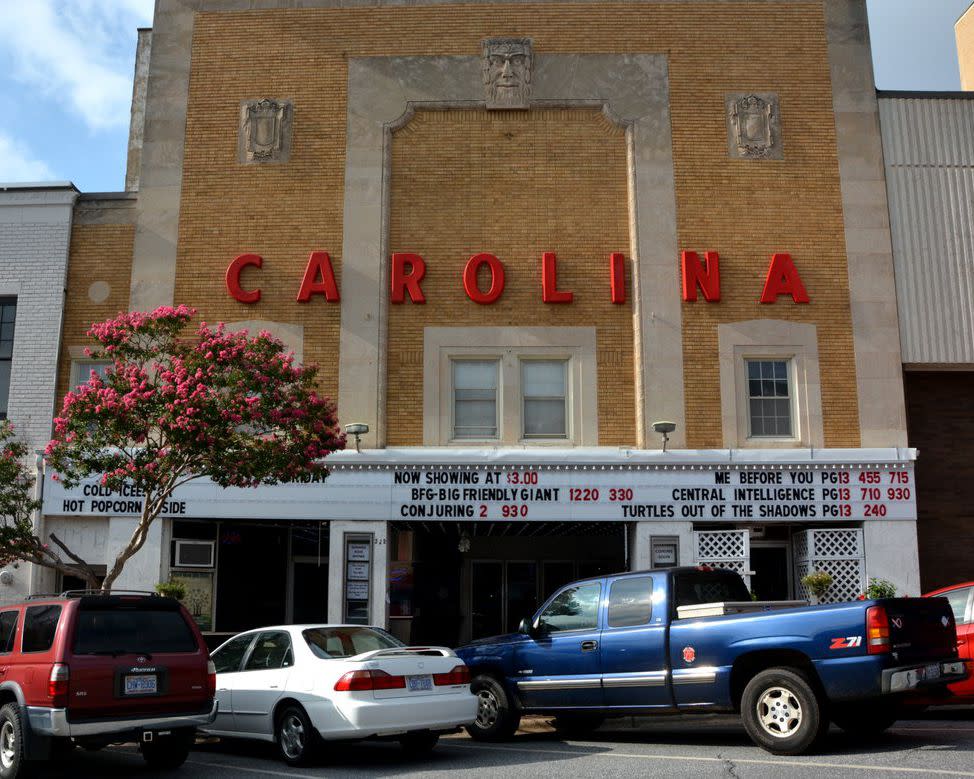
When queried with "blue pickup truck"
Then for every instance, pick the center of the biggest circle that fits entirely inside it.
(628, 645)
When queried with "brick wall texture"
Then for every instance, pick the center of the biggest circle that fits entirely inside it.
(940, 424)
(99, 253)
(32, 262)
(517, 184)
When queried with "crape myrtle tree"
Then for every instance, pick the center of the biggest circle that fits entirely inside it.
(176, 406)
(18, 539)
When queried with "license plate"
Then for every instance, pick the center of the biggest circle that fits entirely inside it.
(932, 671)
(141, 684)
(419, 683)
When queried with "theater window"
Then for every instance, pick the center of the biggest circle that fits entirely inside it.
(770, 390)
(517, 386)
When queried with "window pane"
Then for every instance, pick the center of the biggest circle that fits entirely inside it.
(475, 374)
(39, 627)
(769, 404)
(475, 399)
(227, 658)
(4, 386)
(631, 602)
(544, 378)
(958, 604)
(8, 312)
(132, 631)
(574, 608)
(8, 629)
(270, 652)
(544, 418)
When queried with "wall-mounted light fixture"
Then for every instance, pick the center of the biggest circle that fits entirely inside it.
(664, 429)
(357, 429)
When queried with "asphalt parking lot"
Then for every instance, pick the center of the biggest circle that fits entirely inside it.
(941, 745)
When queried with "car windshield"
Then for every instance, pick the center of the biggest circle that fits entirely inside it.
(331, 643)
(132, 631)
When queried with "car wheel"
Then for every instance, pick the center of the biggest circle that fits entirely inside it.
(11, 742)
(297, 739)
(419, 743)
(576, 725)
(782, 712)
(866, 719)
(168, 752)
(497, 718)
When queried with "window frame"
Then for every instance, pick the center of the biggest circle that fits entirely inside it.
(253, 645)
(608, 601)
(770, 339)
(246, 653)
(525, 360)
(12, 639)
(8, 300)
(498, 398)
(790, 377)
(57, 625)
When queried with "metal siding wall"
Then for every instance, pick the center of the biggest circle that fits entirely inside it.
(929, 149)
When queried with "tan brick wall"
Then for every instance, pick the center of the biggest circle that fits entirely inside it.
(514, 184)
(746, 210)
(964, 30)
(99, 253)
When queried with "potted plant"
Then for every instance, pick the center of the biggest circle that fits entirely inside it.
(817, 583)
(172, 589)
(880, 588)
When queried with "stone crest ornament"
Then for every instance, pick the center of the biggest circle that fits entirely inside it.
(506, 70)
(265, 130)
(753, 126)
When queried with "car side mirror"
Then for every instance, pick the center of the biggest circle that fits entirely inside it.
(526, 627)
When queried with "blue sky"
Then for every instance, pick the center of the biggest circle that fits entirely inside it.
(66, 78)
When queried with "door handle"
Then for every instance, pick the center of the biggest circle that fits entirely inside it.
(590, 646)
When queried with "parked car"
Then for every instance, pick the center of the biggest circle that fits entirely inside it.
(300, 685)
(640, 643)
(93, 669)
(961, 599)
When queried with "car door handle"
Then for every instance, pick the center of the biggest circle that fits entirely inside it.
(590, 646)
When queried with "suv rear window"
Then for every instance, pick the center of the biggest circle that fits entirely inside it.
(125, 631)
(40, 625)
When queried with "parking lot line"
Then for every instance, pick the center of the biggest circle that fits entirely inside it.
(736, 760)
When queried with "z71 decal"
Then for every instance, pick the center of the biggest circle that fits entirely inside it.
(846, 643)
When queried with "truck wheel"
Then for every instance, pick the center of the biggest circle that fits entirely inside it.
(497, 718)
(866, 719)
(168, 752)
(11, 742)
(782, 713)
(576, 725)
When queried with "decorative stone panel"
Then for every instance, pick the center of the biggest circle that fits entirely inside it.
(754, 126)
(264, 134)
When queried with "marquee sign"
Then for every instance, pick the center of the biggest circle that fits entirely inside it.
(768, 494)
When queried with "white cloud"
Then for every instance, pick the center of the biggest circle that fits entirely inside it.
(18, 165)
(79, 52)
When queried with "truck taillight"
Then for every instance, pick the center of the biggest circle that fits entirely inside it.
(211, 678)
(877, 631)
(359, 681)
(459, 675)
(57, 685)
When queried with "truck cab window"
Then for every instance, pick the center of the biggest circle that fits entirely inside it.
(574, 608)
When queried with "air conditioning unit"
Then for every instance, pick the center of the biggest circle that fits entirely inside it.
(191, 553)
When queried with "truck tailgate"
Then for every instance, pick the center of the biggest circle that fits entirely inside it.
(921, 628)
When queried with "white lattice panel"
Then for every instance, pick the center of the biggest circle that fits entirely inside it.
(836, 551)
(729, 549)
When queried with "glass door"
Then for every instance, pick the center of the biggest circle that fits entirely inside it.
(309, 594)
(521, 591)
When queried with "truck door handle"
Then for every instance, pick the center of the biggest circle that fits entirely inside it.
(590, 646)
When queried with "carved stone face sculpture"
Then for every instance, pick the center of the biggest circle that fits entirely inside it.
(507, 72)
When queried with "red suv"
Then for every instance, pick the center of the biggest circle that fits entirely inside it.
(961, 597)
(96, 669)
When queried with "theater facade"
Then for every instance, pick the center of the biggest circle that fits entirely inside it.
(519, 238)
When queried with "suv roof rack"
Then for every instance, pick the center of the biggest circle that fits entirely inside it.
(42, 596)
(82, 593)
